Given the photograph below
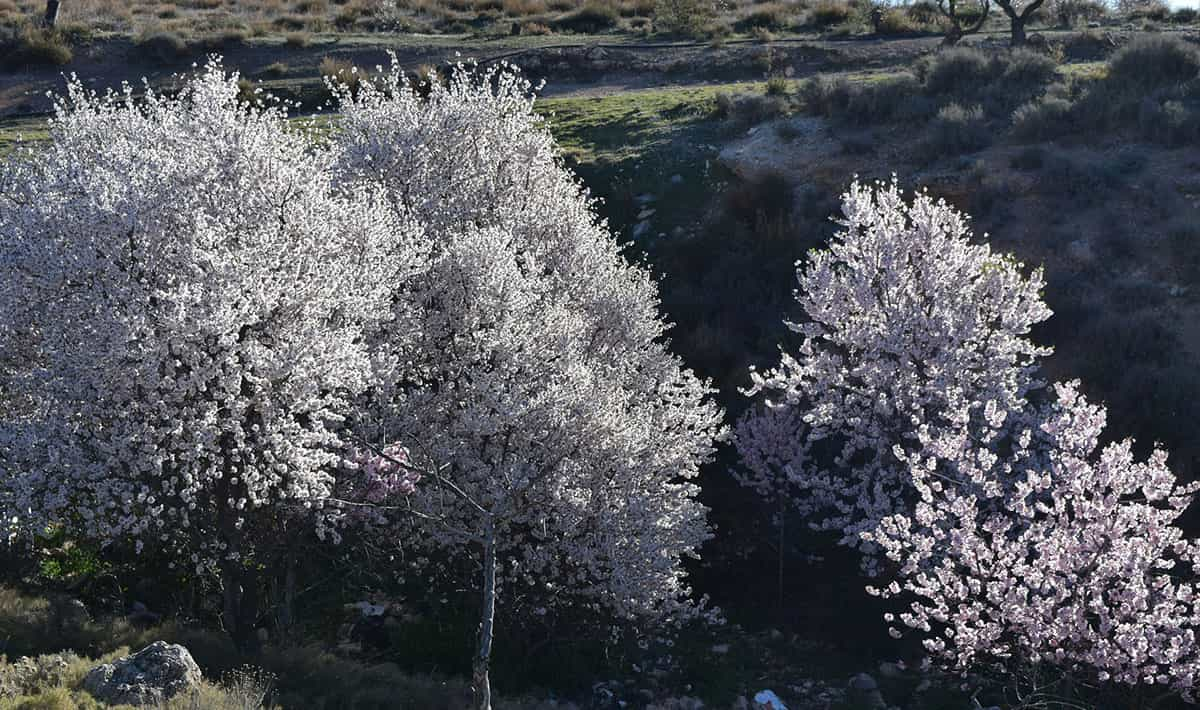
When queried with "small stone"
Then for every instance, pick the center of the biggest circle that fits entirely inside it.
(646, 213)
(768, 700)
(864, 692)
(863, 682)
(676, 179)
(890, 670)
(721, 649)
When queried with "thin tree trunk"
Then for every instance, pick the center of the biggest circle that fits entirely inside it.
(1018, 32)
(287, 614)
(480, 684)
(51, 16)
(782, 537)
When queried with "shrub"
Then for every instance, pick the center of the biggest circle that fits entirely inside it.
(923, 12)
(957, 130)
(275, 69)
(689, 18)
(1043, 119)
(595, 16)
(1025, 70)
(778, 86)
(1085, 179)
(750, 109)
(1170, 122)
(828, 13)
(162, 46)
(896, 21)
(1030, 158)
(1184, 16)
(293, 23)
(1088, 46)
(297, 40)
(892, 98)
(955, 71)
(35, 46)
(1151, 62)
(895, 97)
(1068, 13)
(770, 195)
(773, 16)
(1156, 10)
(340, 71)
(821, 95)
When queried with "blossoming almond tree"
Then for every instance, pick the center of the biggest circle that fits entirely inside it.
(1041, 547)
(194, 291)
(539, 376)
(909, 327)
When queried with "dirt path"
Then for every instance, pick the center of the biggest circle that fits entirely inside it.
(584, 66)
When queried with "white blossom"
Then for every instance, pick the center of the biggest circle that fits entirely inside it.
(538, 378)
(193, 291)
(907, 326)
(1046, 547)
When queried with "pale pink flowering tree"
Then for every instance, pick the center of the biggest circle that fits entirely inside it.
(568, 437)
(1039, 546)
(775, 456)
(907, 326)
(194, 291)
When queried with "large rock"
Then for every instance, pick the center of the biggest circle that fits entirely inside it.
(149, 677)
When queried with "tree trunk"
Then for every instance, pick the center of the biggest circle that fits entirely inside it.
(51, 16)
(287, 613)
(239, 591)
(782, 539)
(480, 684)
(1018, 31)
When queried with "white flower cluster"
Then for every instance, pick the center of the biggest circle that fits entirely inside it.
(909, 326)
(192, 290)
(234, 332)
(535, 371)
(1014, 537)
(1043, 546)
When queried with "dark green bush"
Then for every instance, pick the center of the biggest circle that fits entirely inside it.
(897, 22)
(1024, 70)
(894, 98)
(955, 130)
(35, 46)
(591, 18)
(1068, 13)
(682, 17)
(955, 71)
(1171, 122)
(1043, 119)
(828, 13)
(767, 17)
(1030, 158)
(923, 12)
(1184, 16)
(752, 109)
(163, 46)
(1085, 179)
(1152, 62)
(1088, 46)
